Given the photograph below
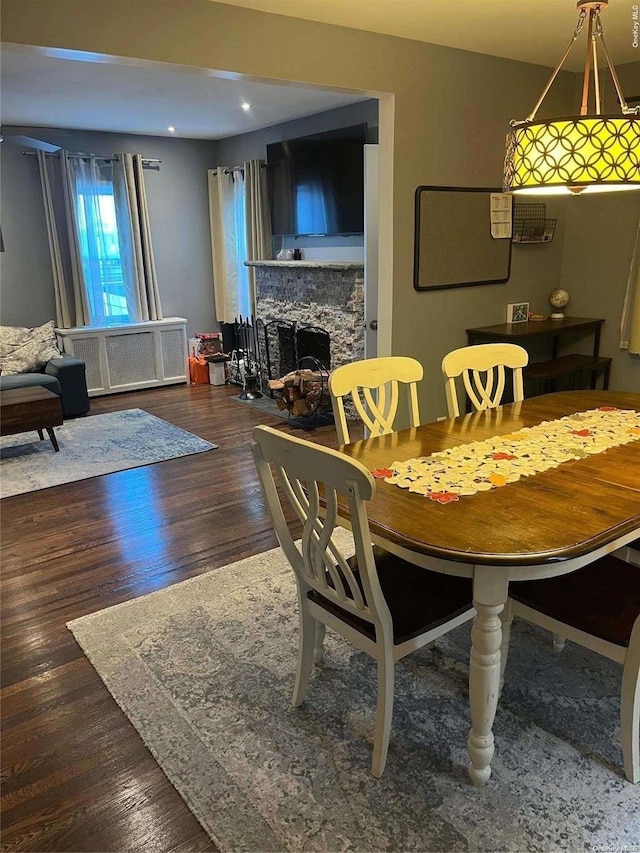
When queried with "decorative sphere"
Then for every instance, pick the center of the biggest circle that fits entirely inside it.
(559, 298)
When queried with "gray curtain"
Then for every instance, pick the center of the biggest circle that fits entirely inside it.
(56, 180)
(134, 235)
(258, 218)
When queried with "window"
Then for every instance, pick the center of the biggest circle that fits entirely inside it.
(100, 249)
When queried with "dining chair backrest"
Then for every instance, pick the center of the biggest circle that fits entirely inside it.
(305, 472)
(482, 368)
(373, 385)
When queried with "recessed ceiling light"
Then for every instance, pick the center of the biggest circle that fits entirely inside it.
(171, 129)
(245, 106)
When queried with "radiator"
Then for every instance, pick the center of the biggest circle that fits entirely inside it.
(123, 358)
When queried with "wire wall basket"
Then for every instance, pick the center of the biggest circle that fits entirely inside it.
(531, 225)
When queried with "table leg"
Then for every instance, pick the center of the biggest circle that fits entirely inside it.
(53, 438)
(490, 586)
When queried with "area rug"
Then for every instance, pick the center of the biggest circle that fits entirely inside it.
(204, 670)
(99, 444)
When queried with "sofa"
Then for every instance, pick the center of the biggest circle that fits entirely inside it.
(29, 357)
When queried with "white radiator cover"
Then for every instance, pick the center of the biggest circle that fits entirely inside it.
(123, 358)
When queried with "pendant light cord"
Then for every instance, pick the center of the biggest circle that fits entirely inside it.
(576, 33)
(595, 32)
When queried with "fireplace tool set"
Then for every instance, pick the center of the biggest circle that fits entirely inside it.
(244, 366)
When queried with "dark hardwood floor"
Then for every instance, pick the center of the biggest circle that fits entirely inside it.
(75, 774)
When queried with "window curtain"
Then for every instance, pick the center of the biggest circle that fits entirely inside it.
(92, 179)
(227, 218)
(94, 258)
(134, 234)
(258, 218)
(630, 324)
(57, 182)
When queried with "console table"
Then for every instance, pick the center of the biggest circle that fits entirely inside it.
(545, 373)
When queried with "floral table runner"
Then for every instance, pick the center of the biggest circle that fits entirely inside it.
(447, 475)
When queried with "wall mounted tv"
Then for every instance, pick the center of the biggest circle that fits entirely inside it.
(316, 183)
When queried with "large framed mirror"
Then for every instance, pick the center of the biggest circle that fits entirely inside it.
(453, 245)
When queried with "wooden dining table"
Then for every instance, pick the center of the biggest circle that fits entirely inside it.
(543, 525)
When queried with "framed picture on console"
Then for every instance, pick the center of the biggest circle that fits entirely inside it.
(517, 312)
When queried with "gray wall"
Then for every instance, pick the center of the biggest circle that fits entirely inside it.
(178, 210)
(598, 246)
(599, 237)
(443, 122)
(536, 270)
(26, 283)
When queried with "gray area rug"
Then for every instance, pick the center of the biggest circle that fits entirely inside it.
(204, 670)
(100, 444)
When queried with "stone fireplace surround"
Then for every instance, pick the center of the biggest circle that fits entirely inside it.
(328, 294)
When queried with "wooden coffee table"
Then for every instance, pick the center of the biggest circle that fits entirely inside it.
(34, 408)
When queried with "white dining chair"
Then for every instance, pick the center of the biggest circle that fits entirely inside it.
(598, 607)
(630, 552)
(385, 606)
(373, 385)
(482, 368)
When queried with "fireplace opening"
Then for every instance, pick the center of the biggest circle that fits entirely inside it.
(315, 343)
(286, 346)
(286, 350)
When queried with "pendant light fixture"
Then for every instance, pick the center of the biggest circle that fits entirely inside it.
(586, 153)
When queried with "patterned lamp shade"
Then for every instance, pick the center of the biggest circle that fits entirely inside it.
(583, 154)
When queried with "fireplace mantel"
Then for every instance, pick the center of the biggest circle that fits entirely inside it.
(327, 294)
(326, 265)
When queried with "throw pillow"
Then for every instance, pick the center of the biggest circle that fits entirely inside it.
(11, 337)
(37, 348)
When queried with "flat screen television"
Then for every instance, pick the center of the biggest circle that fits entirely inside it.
(316, 183)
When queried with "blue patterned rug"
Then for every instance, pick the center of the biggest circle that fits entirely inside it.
(204, 670)
(100, 444)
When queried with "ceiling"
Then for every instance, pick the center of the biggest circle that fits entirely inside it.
(58, 88)
(535, 31)
(38, 90)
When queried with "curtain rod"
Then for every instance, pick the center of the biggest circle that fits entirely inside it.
(110, 158)
(229, 169)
